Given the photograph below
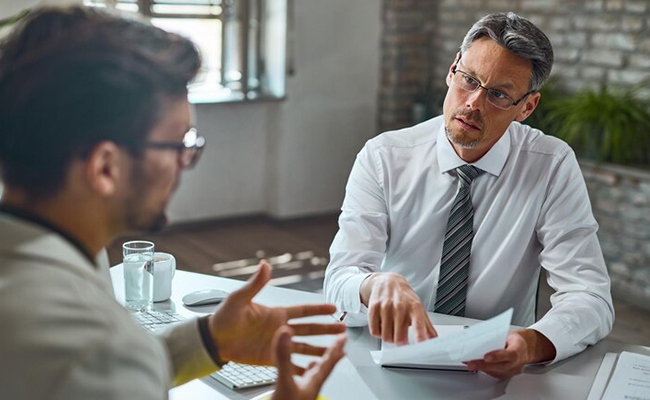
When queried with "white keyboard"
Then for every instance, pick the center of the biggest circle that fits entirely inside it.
(242, 376)
(153, 320)
(233, 375)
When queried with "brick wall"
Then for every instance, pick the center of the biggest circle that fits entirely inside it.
(620, 199)
(407, 40)
(594, 41)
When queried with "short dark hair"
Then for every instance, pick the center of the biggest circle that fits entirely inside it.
(520, 36)
(75, 76)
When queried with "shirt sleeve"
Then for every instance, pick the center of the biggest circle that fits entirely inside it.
(189, 357)
(360, 244)
(581, 311)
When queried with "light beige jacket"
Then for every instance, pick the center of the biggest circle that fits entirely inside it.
(64, 336)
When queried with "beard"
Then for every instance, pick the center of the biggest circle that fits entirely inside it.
(137, 217)
(459, 138)
(462, 141)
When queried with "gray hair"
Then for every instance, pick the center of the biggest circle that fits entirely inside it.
(521, 37)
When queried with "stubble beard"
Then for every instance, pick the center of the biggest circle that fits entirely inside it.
(138, 218)
(459, 140)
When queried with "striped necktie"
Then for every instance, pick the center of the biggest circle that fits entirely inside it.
(454, 265)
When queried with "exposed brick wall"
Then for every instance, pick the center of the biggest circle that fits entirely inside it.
(408, 29)
(620, 199)
(594, 41)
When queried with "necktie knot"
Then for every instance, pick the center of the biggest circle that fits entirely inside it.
(467, 173)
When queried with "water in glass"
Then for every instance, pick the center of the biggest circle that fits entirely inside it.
(138, 281)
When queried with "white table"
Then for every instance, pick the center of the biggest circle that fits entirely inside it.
(357, 377)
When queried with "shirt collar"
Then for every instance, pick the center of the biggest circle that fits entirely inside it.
(35, 219)
(492, 162)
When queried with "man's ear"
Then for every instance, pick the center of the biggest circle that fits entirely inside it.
(104, 166)
(529, 106)
(450, 73)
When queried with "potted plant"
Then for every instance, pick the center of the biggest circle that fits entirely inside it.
(551, 92)
(609, 129)
(605, 124)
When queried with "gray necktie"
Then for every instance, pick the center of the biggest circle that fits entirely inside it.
(454, 265)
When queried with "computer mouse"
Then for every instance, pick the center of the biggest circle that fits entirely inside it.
(203, 297)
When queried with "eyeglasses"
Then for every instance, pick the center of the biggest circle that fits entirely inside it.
(498, 99)
(189, 149)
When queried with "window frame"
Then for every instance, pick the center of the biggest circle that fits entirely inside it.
(243, 47)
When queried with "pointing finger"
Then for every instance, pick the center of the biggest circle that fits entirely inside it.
(254, 285)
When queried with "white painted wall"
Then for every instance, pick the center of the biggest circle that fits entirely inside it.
(292, 158)
(331, 104)
(289, 158)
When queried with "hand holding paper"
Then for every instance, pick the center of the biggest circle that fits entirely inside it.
(451, 348)
(523, 346)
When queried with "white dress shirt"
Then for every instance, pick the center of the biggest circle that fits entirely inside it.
(531, 211)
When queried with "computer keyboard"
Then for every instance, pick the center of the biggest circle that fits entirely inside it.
(242, 376)
(153, 320)
(233, 375)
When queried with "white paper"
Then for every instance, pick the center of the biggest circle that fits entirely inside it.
(442, 330)
(602, 376)
(450, 348)
(631, 378)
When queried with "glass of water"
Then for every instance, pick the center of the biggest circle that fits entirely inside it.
(138, 274)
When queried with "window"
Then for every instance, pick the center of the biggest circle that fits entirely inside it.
(242, 43)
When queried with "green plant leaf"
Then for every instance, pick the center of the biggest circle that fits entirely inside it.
(606, 124)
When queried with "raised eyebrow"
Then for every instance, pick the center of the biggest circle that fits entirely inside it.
(504, 88)
(499, 88)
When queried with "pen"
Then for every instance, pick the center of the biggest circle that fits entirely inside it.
(342, 316)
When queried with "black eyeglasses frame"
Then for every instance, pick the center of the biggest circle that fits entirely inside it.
(489, 90)
(189, 149)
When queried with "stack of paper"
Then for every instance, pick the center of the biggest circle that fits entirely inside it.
(631, 378)
(453, 346)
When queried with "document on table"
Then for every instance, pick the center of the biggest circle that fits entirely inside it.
(631, 378)
(602, 376)
(454, 345)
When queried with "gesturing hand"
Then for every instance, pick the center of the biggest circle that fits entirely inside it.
(393, 306)
(313, 376)
(243, 331)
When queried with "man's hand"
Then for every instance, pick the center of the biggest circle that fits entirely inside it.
(243, 331)
(523, 347)
(313, 376)
(393, 306)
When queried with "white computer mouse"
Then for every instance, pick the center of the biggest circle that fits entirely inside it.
(203, 297)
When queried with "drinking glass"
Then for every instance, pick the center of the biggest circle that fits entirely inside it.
(138, 274)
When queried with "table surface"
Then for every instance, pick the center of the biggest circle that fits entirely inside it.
(357, 377)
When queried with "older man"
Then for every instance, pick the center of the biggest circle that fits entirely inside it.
(460, 214)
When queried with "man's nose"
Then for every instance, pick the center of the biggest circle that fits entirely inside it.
(477, 98)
